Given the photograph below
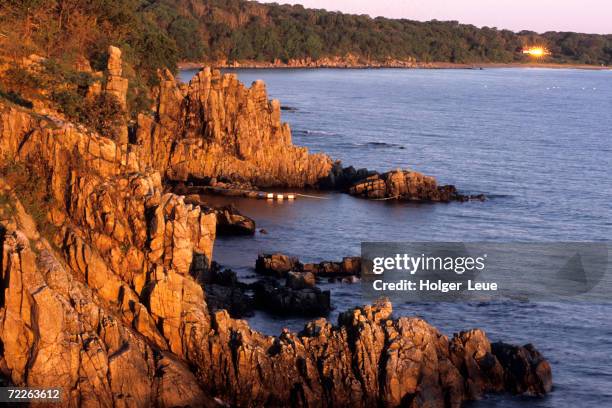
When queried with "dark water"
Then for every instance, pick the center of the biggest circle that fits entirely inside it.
(538, 142)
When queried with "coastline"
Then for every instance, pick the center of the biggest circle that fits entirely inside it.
(391, 65)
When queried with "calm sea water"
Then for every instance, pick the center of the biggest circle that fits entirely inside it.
(538, 142)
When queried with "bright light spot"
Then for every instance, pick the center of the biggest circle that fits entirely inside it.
(536, 52)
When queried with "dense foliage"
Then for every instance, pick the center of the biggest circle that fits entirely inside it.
(71, 29)
(244, 30)
(158, 33)
(69, 35)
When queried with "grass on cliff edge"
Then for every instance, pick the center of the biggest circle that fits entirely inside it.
(65, 89)
(31, 189)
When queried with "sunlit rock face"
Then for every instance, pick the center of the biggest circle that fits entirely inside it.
(216, 127)
(117, 86)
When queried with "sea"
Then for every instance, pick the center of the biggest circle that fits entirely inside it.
(536, 142)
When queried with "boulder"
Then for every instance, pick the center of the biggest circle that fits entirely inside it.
(526, 371)
(231, 222)
(397, 185)
(351, 265)
(300, 280)
(403, 185)
(276, 264)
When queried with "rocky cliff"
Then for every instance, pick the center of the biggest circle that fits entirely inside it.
(101, 279)
(216, 127)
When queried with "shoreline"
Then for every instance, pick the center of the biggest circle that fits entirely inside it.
(394, 65)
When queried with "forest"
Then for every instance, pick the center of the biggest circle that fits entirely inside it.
(159, 33)
(212, 30)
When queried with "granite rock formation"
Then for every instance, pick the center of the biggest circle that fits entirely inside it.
(279, 265)
(216, 127)
(83, 331)
(117, 86)
(400, 185)
(102, 275)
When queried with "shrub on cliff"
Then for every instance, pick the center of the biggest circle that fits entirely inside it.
(18, 85)
(30, 185)
(69, 30)
(102, 113)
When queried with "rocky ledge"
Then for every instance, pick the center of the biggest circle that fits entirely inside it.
(280, 265)
(401, 185)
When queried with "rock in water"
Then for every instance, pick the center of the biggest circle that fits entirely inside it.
(231, 222)
(276, 265)
(300, 280)
(397, 185)
(527, 372)
(404, 185)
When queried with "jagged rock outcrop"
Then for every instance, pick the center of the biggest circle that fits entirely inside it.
(115, 83)
(115, 228)
(279, 265)
(58, 331)
(110, 302)
(394, 185)
(216, 127)
(404, 185)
